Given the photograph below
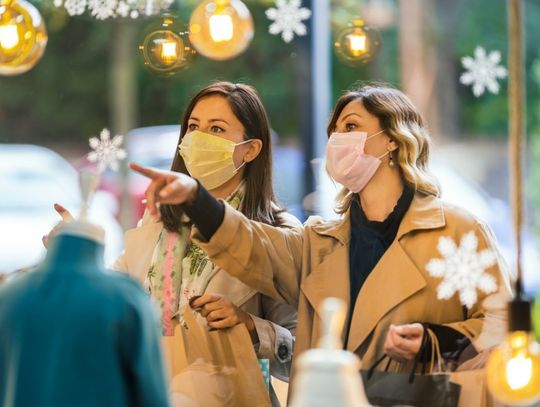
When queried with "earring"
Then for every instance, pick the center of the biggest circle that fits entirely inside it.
(391, 163)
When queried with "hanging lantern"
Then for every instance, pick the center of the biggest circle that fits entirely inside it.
(221, 29)
(165, 48)
(357, 44)
(22, 37)
(513, 368)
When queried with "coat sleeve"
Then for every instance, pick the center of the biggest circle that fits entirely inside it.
(142, 353)
(120, 264)
(485, 323)
(276, 329)
(267, 258)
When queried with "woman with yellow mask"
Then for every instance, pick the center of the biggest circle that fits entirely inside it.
(225, 144)
(416, 273)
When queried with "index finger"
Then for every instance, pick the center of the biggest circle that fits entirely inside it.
(205, 299)
(146, 171)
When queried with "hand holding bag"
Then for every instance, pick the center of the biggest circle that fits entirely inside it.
(384, 388)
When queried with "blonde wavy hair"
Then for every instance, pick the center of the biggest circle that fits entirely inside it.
(401, 121)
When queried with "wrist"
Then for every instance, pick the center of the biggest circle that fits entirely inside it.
(194, 190)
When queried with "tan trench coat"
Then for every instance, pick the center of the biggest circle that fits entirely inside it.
(275, 322)
(305, 265)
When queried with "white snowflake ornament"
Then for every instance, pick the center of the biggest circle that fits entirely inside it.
(75, 7)
(463, 269)
(483, 71)
(288, 16)
(106, 151)
(102, 9)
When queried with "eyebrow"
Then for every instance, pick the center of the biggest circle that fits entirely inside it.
(211, 120)
(350, 114)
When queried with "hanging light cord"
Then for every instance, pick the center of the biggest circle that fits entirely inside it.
(517, 114)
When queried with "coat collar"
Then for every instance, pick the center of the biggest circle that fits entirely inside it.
(327, 279)
(425, 212)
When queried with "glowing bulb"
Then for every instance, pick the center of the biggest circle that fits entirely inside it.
(9, 37)
(357, 44)
(513, 370)
(221, 29)
(22, 37)
(518, 372)
(165, 48)
(168, 52)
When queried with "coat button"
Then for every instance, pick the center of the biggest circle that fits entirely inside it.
(283, 351)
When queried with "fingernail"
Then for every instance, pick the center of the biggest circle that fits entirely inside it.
(192, 299)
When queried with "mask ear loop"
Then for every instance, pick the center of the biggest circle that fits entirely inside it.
(243, 162)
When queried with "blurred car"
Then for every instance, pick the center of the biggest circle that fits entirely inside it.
(457, 190)
(32, 179)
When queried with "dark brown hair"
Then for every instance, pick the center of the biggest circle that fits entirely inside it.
(402, 122)
(259, 199)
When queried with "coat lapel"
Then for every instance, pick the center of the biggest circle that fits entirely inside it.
(395, 277)
(329, 278)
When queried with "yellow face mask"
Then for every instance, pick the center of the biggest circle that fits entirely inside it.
(209, 158)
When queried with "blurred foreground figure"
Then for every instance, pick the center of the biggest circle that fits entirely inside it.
(72, 334)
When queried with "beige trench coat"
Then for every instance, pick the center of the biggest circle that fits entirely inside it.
(275, 322)
(305, 265)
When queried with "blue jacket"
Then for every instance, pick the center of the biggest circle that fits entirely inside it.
(73, 334)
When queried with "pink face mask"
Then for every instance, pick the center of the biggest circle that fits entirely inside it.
(346, 161)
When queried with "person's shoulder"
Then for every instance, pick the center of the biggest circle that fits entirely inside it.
(456, 214)
(288, 220)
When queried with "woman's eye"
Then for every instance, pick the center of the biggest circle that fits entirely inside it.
(192, 127)
(216, 129)
(350, 126)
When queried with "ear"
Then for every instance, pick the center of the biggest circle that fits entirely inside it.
(391, 145)
(255, 147)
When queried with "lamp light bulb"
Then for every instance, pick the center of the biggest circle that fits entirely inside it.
(357, 43)
(9, 37)
(221, 29)
(513, 370)
(165, 48)
(22, 37)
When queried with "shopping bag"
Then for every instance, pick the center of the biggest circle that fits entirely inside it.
(213, 368)
(386, 388)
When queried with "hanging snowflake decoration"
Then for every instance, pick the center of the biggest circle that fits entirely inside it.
(106, 151)
(287, 19)
(483, 71)
(105, 9)
(463, 269)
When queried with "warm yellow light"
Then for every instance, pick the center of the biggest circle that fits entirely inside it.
(357, 43)
(221, 29)
(9, 37)
(168, 51)
(513, 370)
(22, 36)
(165, 48)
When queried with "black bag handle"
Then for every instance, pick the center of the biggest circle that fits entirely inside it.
(425, 340)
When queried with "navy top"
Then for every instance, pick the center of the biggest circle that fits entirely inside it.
(371, 239)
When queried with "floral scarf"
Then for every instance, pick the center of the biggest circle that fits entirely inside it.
(180, 270)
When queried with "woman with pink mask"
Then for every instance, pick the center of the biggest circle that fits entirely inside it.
(404, 261)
